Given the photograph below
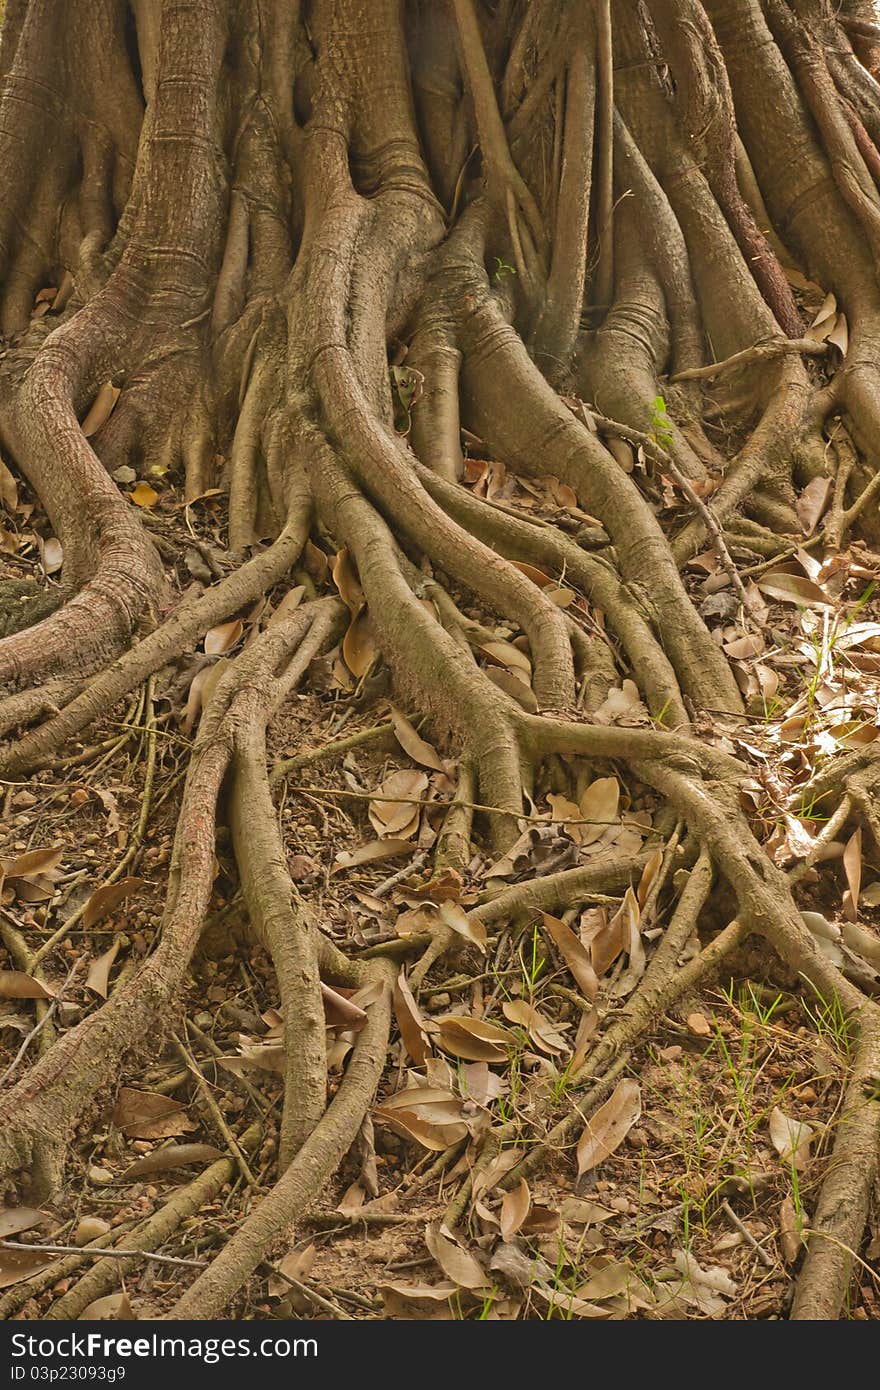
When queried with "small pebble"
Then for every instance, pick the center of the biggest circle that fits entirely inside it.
(101, 1177)
(89, 1229)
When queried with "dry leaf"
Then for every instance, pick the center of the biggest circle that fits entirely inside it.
(608, 1128)
(471, 928)
(506, 654)
(173, 1156)
(433, 1136)
(457, 1264)
(15, 984)
(144, 496)
(14, 1220)
(370, 853)
(104, 900)
(791, 1138)
(575, 955)
(114, 1307)
(794, 588)
(98, 977)
(811, 504)
(100, 410)
(514, 1209)
(223, 638)
(410, 1021)
(149, 1114)
(358, 645)
(412, 742)
(392, 817)
(599, 803)
(852, 865)
(537, 1025)
(474, 1039)
(512, 685)
(16, 1265)
(346, 580)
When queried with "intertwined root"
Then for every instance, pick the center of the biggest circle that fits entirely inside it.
(272, 251)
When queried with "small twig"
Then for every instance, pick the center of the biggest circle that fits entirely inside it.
(759, 352)
(229, 1138)
(412, 867)
(766, 1260)
(104, 1254)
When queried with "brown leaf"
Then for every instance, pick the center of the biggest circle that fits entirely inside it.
(36, 861)
(599, 803)
(340, 1012)
(649, 873)
(471, 928)
(474, 1039)
(608, 1128)
(16, 1265)
(101, 409)
(346, 580)
(457, 1264)
(358, 645)
(371, 852)
(104, 900)
(435, 1137)
(812, 503)
(412, 742)
(14, 1220)
(421, 1301)
(794, 588)
(172, 1156)
(791, 1138)
(537, 1025)
(223, 638)
(517, 689)
(514, 1209)
(576, 956)
(98, 977)
(852, 865)
(15, 984)
(789, 1232)
(147, 1114)
(51, 555)
(390, 816)
(506, 654)
(410, 1021)
(113, 1307)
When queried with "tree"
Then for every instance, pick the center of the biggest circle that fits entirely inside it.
(293, 250)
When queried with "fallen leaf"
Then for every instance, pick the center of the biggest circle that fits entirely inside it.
(471, 928)
(811, 504)
(512, 685)
(390, 816)
(536, 1024)
(410, 1021)
(223, 638)
(371, 852)
(599, 803)
(433, 1136)
(791, 1138)
(98, 977)
(412, 742)
(114, 1307)
(14, 1220)
(575, 955)
(172, 1156)
(422, 1301)
(794, 588)
(609, 1126)
(506, 654)
(104, 900)
(457, 1264)
(15, 984)
(346, 580)
(149, 1115)
(51, 555)
(144, 496)
(100, 410)
(852, 865)
(16, 1265)
(515, 1209)
(474, 1039)
(359, 645)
